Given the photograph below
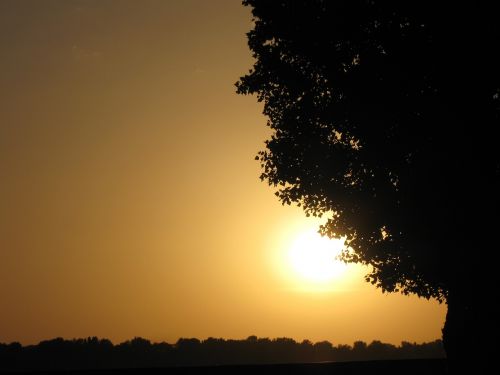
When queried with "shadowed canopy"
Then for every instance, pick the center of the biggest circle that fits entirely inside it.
(383, 116)
(381, 119)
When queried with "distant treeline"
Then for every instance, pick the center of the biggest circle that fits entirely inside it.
(95, 353)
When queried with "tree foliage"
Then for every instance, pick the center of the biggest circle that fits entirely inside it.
(383, 116)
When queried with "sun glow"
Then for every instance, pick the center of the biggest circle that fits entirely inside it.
(306, 262)
(315, 258)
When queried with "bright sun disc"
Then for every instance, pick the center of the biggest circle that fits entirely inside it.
(314, 258)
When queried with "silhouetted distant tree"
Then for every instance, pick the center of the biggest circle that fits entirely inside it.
(94, 353)
(359, 347)
(384, 117)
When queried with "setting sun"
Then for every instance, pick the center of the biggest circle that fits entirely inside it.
(315, 258)
(308, 263)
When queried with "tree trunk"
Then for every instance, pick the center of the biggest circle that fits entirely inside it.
(470, 330)
(454, 331)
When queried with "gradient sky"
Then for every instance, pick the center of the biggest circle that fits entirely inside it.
(130, 203)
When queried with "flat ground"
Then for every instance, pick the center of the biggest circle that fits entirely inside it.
(405, 367)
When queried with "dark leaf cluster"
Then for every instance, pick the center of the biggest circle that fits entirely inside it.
(384, 117)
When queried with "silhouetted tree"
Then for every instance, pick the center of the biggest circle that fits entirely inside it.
(323, 351)
(359, 348)
(94, 353)
(384, 117)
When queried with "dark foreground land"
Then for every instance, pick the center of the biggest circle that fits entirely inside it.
(405, 367)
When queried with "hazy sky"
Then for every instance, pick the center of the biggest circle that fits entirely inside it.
(130, 203)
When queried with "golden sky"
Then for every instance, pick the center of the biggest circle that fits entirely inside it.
(130, 203)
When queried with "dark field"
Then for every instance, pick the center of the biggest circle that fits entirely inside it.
(406, 367)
